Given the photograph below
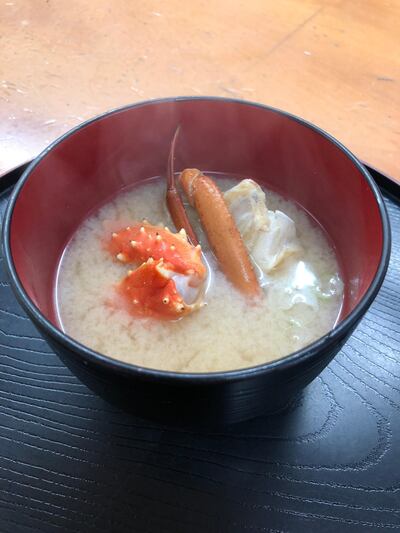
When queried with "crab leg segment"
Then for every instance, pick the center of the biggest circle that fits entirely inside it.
(223, 235)
(174, 201)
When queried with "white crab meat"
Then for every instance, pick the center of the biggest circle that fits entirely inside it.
(277, 243)
(296, 285)
(246, 202)
(270, 236)
(184, 284)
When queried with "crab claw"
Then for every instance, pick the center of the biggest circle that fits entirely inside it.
(136, 244)
(150, 291)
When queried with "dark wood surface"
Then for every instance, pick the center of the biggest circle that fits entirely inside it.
(71, 463)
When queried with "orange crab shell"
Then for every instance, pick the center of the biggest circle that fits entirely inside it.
(136, 244)
(150, 292)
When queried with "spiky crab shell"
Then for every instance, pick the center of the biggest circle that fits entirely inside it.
(151, 292)
(136, 244)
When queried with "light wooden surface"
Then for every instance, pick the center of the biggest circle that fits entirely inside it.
(335, 63)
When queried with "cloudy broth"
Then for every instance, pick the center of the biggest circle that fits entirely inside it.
(301, 299)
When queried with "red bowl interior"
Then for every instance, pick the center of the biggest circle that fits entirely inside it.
(94, 162)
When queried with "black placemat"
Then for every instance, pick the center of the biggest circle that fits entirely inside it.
(70, 462)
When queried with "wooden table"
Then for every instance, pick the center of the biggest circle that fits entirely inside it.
(335, 63)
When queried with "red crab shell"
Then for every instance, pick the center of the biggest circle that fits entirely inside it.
(136, 244)
(150, 292)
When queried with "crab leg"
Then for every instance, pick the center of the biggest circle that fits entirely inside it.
(223, 235)
(174, 201)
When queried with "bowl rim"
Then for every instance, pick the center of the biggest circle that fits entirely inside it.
(334, 336)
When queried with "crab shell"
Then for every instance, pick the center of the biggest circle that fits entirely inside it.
(136, 244)
(150, 291)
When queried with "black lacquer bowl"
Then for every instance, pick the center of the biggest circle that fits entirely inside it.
(91, 163)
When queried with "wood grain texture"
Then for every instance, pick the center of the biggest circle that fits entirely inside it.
(71, 463)
(334, 62)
